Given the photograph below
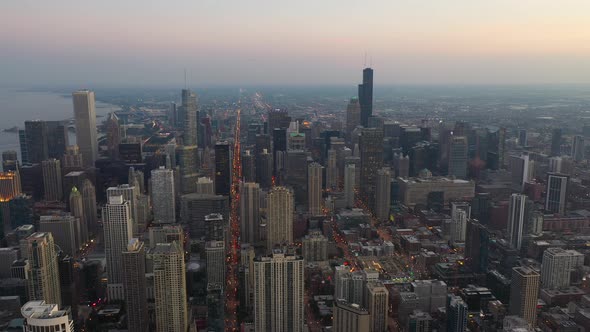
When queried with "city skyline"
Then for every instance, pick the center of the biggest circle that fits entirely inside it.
(455, 42)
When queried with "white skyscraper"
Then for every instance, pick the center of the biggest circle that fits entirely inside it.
(278, 293)
(131, 194)
(383, 194)
(314, 188)
(460, 213)
(43, 276)
(85, 116)
(170, 287)
(557, 266)
(249, 212)
(516, 220)
(117, 224)
(280, 217)
(349, 184)
(163, 196)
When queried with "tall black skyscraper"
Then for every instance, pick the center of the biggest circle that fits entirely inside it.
(222, 168)
(556, 142)
(366, 96)
(45, 139)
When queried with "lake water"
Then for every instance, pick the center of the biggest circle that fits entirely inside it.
(18, 106)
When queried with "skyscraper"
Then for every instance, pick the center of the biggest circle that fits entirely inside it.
(280, 217)
(556, 198)
(458, 157)
(189, 115)
(249, 166)
(349, 184)
(331, 170)
(114, 135)
(456, 314)
(163, 195)
(314, 247)
(460, 213)
(77, 210)
(65, 229)
(44, 140)
(72, 159)
(524, 291)
(166, 234)
(52, 181)
(215, 251)
(170, 287)
(134, 282)
(85, 116)
(264, 164)
(205, 186)
(516, 220)
(383, 194)
(314, 188)
(89, 202)
(188, 163)
(249, 212)
(43, 279)
(378, 305)
(9, 161)
(557, 267)
(194, 208)
(353, 117)
(556, 142)
(371, 149)
(117, 223)
(130, 194)
(365, 93)
(278, 293)
(578, 148)
(222, 168)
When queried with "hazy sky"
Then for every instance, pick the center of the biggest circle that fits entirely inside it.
(219, 42)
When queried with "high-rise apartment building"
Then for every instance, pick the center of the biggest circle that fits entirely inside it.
(9, 161)
(371, 150)
(43, 275)
(72, 159)
(89, 202)
(279, 293)
(85, 116)
(378, 305)
(52, 181)
(163, 196)
(249, 212)
(280, 217)
(331, 170)
(222, 168)
(264, 164)
(134, 282)
(249, 166)
(315, 247)
(556, 198)
(118, 231)
(350, 317)
(194, 208)
(383, 194)
(205, 186)
(516, 220)
(557, 267)
(188, 162)
(456, 314)
(460, 214)
(365, 92)
(524, 292)
(170, 287)
(41, 315)
(314, 188)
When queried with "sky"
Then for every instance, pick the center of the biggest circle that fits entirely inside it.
(303, 42)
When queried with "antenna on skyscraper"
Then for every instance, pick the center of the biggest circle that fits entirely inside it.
(185, 79)
(370, 61)
(365, 63)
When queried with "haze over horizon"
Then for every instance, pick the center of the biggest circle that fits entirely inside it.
(297, 43)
